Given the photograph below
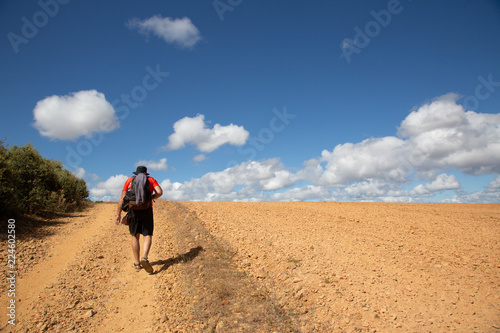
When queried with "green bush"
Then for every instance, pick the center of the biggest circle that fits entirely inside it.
(30, 183)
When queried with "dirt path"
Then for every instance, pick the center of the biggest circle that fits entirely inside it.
(85, 267)
(265, 267)
(84, 281)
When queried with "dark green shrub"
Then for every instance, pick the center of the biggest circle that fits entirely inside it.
(30, 183)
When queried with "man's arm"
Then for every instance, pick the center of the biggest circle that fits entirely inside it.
(158, 192)
(119, 208)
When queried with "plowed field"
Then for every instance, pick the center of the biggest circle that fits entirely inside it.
(262, 267)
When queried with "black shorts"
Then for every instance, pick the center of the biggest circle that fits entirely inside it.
(141, 222)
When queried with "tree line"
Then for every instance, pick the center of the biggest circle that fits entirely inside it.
(32, 184)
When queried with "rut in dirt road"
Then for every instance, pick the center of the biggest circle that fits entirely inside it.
(85, 283)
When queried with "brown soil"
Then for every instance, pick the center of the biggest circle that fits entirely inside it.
(263, 267)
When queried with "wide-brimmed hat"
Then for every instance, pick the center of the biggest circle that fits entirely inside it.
(141, 169)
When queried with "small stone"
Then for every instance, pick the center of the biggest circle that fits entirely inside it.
(89, 313)
(300, 294)
(219, 327)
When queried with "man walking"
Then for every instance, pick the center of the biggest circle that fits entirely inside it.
(140, 221)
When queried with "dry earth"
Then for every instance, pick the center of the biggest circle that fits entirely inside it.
(263, 267)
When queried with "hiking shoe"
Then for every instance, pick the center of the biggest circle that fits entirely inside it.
(147, 267)
(137, 267)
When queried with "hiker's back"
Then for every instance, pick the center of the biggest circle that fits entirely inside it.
(138, 196)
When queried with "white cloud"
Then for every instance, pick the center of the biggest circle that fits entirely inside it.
(71, 116)
(381, 158)
(281, 179)
(304, 193)
(488, 196)
(179, 31)
(246, 180)
(495, 184)
(441, 135)
(110, 189)
(199, 158)
(369, 188)
(438, 135)
(81, 173)
(173, 191)
(433, 139)
(420, 191)
(154, 165)
(194, 131)
(375, 190)
(93, 177)
(441, 183)
(441, 113)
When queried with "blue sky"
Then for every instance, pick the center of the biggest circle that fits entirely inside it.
(260, 100)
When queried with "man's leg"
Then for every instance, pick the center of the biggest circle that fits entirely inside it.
(146, 246)
(147, 228)
(136, 248)
(144, 260)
